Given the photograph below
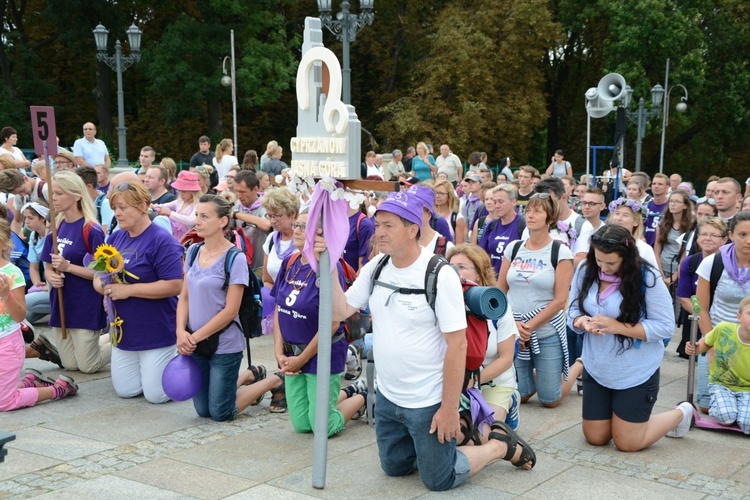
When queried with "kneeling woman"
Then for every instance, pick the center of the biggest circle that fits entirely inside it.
(296, 343)
(146, 304)
(618, 300)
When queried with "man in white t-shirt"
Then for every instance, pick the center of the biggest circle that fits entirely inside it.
(89, 150)
(420, 353)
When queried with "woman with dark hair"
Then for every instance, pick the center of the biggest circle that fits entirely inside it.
(473, 161)
(720, 300)
(250, 161)
(677, 220)
(704, 208)
(537, 285)
(615, 301)
(9, 136)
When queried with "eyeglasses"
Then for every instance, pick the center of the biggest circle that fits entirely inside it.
(270, 216)
(541, 196)
(437, 193)
(710, 235)
(301, 227)
(706, 199)
(589, 203)
(463, 267)
(607, 244)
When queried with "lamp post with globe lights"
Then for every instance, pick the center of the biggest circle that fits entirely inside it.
(119, 63)
(642, 115)
(228, 81)
(345, 27)
(680, 108)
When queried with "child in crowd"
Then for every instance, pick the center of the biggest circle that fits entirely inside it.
(729, 377)
(33, 387)
(181, 212)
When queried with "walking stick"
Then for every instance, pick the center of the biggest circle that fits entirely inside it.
(54, 242)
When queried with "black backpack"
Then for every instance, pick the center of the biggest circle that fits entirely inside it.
(717, 268)
(430, 279)
(251, 306)
(555, 255)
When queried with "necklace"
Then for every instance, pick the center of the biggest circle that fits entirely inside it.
(294, 281)
(205, 256)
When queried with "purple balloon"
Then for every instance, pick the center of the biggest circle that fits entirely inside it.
(181, 379)
(269, 303)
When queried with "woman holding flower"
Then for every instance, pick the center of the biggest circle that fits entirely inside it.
(146, 262)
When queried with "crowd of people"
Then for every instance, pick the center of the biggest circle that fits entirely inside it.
(595, 285)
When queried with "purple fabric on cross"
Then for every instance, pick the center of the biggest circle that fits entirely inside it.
(335, 214)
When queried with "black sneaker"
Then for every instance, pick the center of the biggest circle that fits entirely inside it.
(28, 332)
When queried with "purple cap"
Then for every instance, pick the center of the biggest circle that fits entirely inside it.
(405, 205)
(426, 195)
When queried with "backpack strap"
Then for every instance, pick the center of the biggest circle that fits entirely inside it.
(441, 245)
(359, 221)
(454, 218)
(692, 263)
(40, 190)
(292, 259)
(193, 253)
(378, 269)
(231, 255)
(516, 248)
(580, 221)
(555, 253)
(86, 232)
(716, 270)
(98, 205)
(431, 278)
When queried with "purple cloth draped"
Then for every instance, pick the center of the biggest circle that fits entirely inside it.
(106, 279)
(611, 289)
(335, 214)
(480, 410)
(741, 275)
(269, 303)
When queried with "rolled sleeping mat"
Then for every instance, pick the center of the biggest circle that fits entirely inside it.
(486, 302)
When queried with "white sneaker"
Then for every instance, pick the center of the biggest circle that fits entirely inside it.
(686, 423)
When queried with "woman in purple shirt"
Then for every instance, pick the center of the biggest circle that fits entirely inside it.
(147, 303)
(78, 234)
(296, 343)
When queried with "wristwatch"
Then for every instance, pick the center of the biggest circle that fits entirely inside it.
(234, 214)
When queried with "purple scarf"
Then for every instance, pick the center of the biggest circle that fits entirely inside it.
(740, 275)
(611, 289)
(252, 207)
(277, 246)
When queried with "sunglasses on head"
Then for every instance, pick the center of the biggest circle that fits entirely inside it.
(541, 196)
(706, 199)
(608, 244)
(123, 187)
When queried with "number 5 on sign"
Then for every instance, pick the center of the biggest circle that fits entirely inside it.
(43, 129)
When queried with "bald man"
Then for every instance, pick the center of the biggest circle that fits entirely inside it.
(90, 151)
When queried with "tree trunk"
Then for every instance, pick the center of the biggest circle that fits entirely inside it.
(215, 123)
(103, 97)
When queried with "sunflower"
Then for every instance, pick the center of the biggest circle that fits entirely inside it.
(109, 257)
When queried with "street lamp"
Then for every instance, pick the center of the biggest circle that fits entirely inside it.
(642, 115)
(227, 80)
(119, 63)
(345, 27)
(680, 108)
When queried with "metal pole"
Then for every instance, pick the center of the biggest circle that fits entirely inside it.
(345, 52)
(122, 160)
(322, 394)
(588, 150)
(234, 96)
(639, 136)
(664, 119)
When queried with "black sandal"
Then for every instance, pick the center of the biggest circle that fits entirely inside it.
(468, 429)
(278, 396)
(46, 350)
(512, 439)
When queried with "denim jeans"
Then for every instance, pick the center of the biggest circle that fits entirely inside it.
(702, 396)
(217, 397)
(405, 445)
(37, 306)
(548, 364)
(575, 345)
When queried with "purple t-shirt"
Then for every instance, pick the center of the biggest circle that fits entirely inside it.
(443, 227)
(153, 255)
(496, 237)
(297, 302)
(207, 299)
(84, 307)
(358, 245)
(652, 221)
(687, 284)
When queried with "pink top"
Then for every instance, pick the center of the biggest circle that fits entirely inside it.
(182, 217)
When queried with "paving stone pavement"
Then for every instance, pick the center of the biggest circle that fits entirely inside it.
(96, 445)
